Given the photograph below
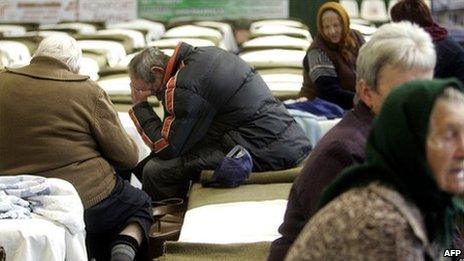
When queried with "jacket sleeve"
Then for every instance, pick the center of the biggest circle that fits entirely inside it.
(329, 89)
(187, 120)
(113, 142)
(320, 170)
(326, 80)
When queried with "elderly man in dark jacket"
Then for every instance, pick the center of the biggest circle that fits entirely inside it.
(212, 101)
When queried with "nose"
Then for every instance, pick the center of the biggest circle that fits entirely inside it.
(331, 31)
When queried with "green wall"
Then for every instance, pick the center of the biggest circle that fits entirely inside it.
(306, 10)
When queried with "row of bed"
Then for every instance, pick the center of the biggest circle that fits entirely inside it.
(232, 224)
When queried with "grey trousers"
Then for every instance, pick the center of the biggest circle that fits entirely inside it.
(163, 179)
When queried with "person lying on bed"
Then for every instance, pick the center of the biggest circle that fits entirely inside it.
(212, 101)
(57, 123)
(396, 53)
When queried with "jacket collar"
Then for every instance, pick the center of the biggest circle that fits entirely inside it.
(46, 67)
(181, 51)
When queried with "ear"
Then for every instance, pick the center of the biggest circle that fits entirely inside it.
(364, 92)
(157, 69)
(158, 72)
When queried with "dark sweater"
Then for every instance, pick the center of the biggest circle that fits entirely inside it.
(342, 146)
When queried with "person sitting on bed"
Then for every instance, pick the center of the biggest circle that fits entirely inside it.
(330, 62)
(212, 101)
(396, 53)
(57, 123)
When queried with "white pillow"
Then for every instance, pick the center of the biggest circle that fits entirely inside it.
(193, 31)
(137, 37)
(116, 85)
(274, 58)
(172, 42)
(81, 28)
(115, 51)
(12, 30)
(273, 22)
(16, 54)
(280, 30)
(155, 29)
(280, 41)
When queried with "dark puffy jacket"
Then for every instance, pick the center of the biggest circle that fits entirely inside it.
(213, 101)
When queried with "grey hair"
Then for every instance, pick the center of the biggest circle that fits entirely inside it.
(140, 66)
(63, 48)
(400, 44)
(451, 95)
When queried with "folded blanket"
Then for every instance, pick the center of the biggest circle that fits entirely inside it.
(62, 205)
(52, 198)
(12, 207)
(318, 107)
(24, 186)
(13, 191)
(20, 182)
(200, 196)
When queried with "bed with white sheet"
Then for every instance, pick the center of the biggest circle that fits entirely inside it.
(41, 219)
(233, 223)
(131, 130)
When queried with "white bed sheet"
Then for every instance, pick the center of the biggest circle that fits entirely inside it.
(326, 125)
(40, 239)
(238, 222)
(131, 130)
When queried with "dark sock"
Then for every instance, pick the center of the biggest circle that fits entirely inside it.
(124, 248)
